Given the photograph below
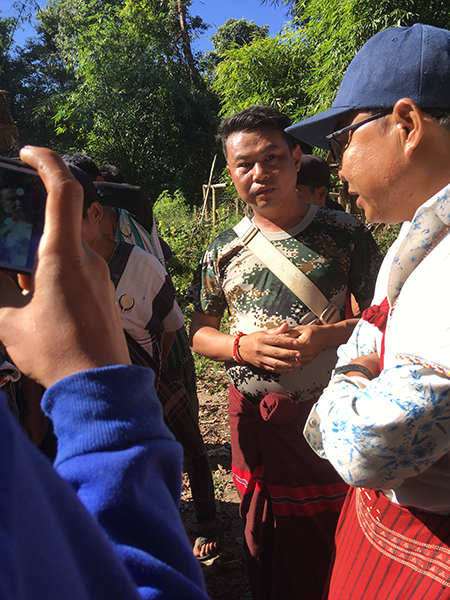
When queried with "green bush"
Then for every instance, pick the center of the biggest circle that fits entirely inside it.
(188, 235)
(385, 236)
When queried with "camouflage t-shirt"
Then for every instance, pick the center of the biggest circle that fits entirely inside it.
(334, 249)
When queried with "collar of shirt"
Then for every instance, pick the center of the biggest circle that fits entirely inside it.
(429, 222)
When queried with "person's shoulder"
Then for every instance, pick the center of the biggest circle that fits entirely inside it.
(225, 237)
(330, 203)
(139, 253)
(339, 218)
(224, 241)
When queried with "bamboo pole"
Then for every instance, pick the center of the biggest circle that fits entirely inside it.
(206, 190)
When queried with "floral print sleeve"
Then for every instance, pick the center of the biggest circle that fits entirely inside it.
(376, 435)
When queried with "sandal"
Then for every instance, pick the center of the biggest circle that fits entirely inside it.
(209, 537)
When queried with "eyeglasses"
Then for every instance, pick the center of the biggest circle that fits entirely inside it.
(337, 147)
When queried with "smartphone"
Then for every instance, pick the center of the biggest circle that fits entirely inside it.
(22, 208)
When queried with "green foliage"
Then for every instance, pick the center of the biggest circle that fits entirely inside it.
(400, 12)
(289, 4)
(187, 234)
(272, 71)
(40, 77)
(221, 484)
(336, 29)
(173, 208)
(7, 28)
(232, 34)
(237, 32)
(133, 103)
(210, 371)
(303, 78)
(20, 12)
(385, 236)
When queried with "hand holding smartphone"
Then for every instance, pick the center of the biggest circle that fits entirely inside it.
(22, 208)
(68, 321)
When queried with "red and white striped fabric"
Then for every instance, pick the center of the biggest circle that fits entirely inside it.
(385, 551)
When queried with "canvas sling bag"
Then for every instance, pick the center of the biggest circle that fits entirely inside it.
(253, 238)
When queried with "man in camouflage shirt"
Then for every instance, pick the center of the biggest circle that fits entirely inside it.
(278, 361)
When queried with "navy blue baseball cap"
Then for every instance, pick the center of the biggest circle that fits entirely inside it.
(402, 62)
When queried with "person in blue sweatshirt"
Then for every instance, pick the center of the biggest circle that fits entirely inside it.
(103, 522)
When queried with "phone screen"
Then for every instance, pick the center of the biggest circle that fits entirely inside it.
(22, 207)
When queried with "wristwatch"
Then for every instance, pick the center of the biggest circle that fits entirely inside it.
(347, 368)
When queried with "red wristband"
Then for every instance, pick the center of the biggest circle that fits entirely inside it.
(236, 356)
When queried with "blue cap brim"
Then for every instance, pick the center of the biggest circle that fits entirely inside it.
(315, 129)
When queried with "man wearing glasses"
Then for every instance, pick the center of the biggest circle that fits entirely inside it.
(384, 420)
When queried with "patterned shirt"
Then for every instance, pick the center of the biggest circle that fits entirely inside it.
(393, 433)
(334, 249)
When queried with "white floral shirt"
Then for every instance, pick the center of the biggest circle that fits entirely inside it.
(393, 433)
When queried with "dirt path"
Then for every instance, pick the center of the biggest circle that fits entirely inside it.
(226, 575)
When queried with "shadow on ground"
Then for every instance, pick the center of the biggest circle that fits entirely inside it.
(225, 575)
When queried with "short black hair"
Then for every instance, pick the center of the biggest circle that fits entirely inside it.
(254, 119)
(314, 172)
(440, 115)
(83, 162)
(112, 174)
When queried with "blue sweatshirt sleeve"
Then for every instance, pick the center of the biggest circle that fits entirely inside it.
(125, 466)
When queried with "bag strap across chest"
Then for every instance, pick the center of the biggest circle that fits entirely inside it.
(292, 277)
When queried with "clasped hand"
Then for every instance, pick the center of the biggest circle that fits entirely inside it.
(283, 349)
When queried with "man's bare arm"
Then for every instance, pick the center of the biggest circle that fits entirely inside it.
(273, 349)
(370, 361)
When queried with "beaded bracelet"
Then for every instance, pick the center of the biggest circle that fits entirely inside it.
(236, 356)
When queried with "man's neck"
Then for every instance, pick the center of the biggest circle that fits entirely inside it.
(104, 247)
(275, 222)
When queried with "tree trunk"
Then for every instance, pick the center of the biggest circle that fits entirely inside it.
(186, 44)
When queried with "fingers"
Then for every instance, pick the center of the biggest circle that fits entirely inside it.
(275, 365)
(282, 350)
(306, 359)
(280, 330)
(68, 322)
(62, 229)
(284, 340)
(11, 298)
(275, 353)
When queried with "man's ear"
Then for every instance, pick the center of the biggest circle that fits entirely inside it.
(320, 196)
(322, 193)
(95, 212)
(408, 119)
(297, 155)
